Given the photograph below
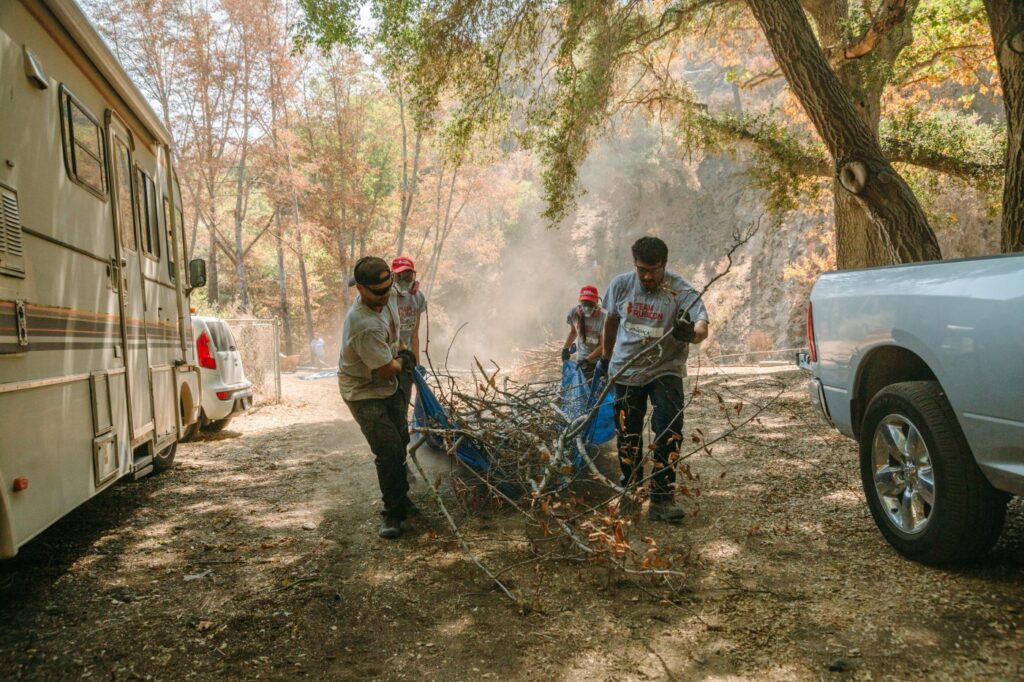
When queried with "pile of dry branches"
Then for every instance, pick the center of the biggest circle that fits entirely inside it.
(538, 464)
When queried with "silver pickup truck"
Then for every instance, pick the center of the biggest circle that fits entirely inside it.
(923, 365)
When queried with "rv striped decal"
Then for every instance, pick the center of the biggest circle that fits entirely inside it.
(9, 329)
(55, 328)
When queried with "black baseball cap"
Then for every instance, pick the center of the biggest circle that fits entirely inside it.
(370, 271)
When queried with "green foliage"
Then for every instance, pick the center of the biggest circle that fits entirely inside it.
(977, 147)
(327, 23)
(786, 165)
(551, 75)
(951, 40)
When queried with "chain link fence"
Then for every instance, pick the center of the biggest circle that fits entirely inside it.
(259, 342)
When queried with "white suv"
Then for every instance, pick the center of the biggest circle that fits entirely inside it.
(225, 390)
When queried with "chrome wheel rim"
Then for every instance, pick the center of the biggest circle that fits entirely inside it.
(902, 473)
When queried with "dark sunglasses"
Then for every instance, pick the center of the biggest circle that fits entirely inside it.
(382, 291)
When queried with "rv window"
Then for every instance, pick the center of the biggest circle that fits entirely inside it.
(83, 145)
(123, 182)
(149, 227)
(167, 234)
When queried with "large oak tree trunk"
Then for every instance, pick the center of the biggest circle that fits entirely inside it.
(1006, 19)
(858, 243)
(896, 230)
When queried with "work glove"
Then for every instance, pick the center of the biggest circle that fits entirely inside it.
(565, 354)
(601, 368)
(407, 359)
(683, 329)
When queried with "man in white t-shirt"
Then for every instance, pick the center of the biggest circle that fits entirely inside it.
(586, 324)
(643, 306)
(368, 369)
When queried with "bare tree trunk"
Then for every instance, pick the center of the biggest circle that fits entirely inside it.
(1006, 18)
(441, 236)
(195, 233)
(339, 236)
(409, 182)
(212, 279)
(307, 306)
(282, 285)
(863, 173)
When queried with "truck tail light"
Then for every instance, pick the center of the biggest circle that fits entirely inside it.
(223, 395)
(812, 351)
(206, 358)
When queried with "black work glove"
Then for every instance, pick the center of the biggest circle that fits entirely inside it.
(683, 329)
(585, 365)
(407, 359)
(565, 354)
(601, 368)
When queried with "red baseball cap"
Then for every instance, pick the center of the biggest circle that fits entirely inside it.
(401, 264)
(587, 293)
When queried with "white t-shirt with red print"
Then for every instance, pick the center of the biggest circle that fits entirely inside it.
(644, 317)
(588, 329)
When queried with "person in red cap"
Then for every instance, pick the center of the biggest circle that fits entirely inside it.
(411, 303)
(586, 323)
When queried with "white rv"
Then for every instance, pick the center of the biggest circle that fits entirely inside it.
(97, 372)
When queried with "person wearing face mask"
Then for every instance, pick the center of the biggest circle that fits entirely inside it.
(411, 302)
(586, 324)
(369, 368)
(645, 305)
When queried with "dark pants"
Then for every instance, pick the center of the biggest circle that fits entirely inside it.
(383, 423)
(666, 396)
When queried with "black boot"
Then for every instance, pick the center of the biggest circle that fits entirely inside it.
(390, 529)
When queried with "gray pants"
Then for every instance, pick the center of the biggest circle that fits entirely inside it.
(383, 423)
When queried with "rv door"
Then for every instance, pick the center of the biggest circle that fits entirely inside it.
(133, 316)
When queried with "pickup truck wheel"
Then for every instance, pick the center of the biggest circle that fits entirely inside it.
(925, 491)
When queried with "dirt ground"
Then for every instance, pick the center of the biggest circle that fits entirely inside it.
(257, 557)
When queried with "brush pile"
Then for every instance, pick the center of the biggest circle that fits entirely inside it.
(528, 454)
(508, 431)
(528, 448)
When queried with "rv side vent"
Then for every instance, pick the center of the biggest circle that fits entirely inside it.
(12, 251)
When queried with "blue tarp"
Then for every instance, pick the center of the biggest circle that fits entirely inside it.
(578, 398)
(428, 413)
(326, 374)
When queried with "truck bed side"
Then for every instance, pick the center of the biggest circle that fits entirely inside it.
(962, 322)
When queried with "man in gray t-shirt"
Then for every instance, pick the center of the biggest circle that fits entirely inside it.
(644, 306)
(368, 367)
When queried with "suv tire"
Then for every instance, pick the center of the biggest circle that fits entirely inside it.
(217, 425)
(966, 513)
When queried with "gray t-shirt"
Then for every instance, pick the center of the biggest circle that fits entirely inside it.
(588, 329)
(409, 308)
(368, 340)
(646, 316)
